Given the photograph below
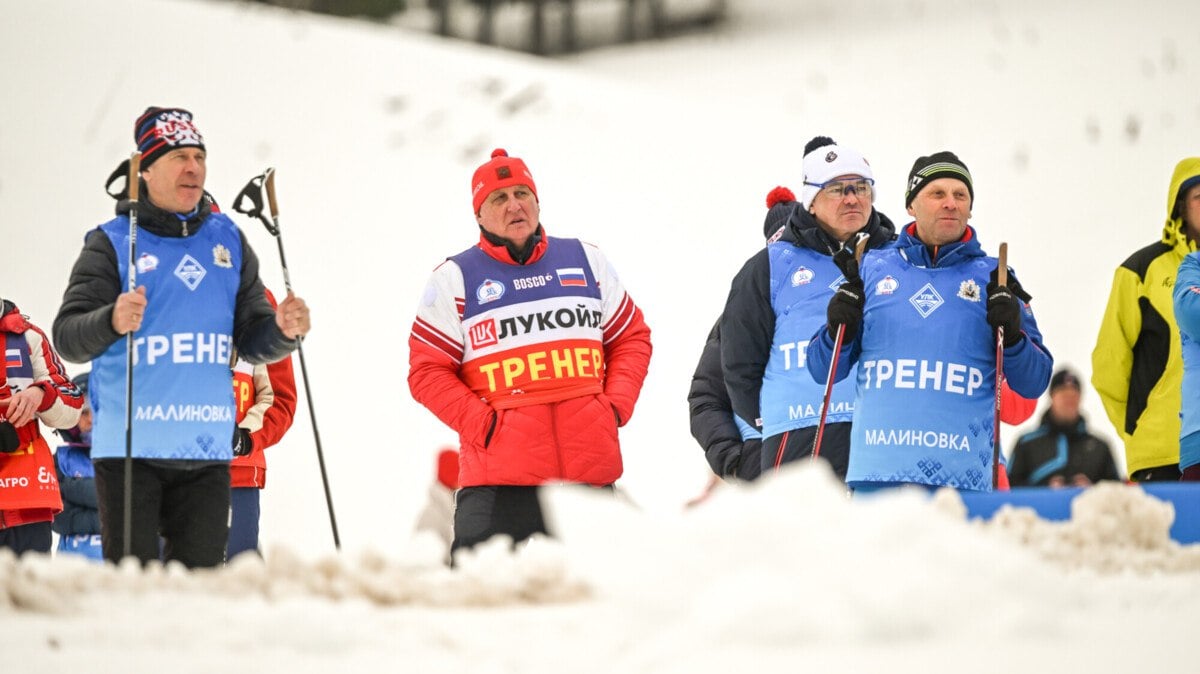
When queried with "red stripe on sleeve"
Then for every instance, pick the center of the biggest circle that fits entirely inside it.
(620, 320)
(425, 332)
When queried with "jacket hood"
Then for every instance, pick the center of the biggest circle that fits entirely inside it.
(1174, 234)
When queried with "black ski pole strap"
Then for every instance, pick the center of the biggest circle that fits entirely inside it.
(250, 202)
(119, 174)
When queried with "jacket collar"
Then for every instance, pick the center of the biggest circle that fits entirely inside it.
(165, 223)
(946, 255)
(505, 251)
(802, 229)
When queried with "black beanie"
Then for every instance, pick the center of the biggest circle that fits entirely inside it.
(1064, 378)
(81, 381)
(1186, 185)
(942, 164)
(781, 202)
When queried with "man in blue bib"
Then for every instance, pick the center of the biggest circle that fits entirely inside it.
(199, 296)
(920, 321)
(776, 301)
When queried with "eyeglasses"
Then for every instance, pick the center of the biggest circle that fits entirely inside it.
(838, 189)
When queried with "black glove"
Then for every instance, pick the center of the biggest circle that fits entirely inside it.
(1014, 286)
(242, 444)
(1004, 311)
(846, 308)
(846, 263)
(9, 441)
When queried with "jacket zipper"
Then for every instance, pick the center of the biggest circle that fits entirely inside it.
(557, 442)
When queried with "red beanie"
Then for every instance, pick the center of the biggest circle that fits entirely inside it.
(447, 468)
(501, 171)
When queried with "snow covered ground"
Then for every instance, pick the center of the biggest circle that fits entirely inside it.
(1071, 116)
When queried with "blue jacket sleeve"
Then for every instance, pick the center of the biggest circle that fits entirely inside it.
(1187, 297)
(820, 352)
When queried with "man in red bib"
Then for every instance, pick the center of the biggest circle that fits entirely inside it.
(530, 349)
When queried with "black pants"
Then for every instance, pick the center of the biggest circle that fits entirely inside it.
(483, 512)
(26, 538)
(1168, 473)
(187, 507)
(798, 443)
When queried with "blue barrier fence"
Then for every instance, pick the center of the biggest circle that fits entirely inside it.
(1055, 504)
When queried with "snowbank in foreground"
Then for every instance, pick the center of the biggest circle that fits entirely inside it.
(608, 546)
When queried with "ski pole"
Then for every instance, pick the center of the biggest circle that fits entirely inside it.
(859, 247)
(253, 191)
(1002, 280)
(135, 163)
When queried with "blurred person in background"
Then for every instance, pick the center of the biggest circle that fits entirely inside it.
(265, 397)
(732, 446)
(78, 525)
(1061, 452)
(437, 517)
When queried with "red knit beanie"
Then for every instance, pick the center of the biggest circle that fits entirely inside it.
(501, 171)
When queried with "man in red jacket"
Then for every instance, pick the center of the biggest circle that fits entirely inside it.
(33, 387)
(530, 349)
(265, 396)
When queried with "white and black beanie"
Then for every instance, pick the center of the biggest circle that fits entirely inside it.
(942, 164)
(825, 160)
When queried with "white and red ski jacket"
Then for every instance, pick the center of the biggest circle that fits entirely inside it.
(534, 366)
(28, 485)
(265, 398)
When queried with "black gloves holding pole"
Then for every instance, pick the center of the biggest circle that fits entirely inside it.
(1004, 307)
(1004, 302)
(846, 305)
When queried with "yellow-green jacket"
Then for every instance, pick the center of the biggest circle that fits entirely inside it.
(1137, 367)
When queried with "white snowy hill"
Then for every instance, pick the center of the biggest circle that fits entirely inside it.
(1070, 115)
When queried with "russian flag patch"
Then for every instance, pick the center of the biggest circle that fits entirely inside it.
(571, 276)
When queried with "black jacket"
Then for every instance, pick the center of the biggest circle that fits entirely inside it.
(83, 327)
(748, 322)
(712, 418)
(1054, 450)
